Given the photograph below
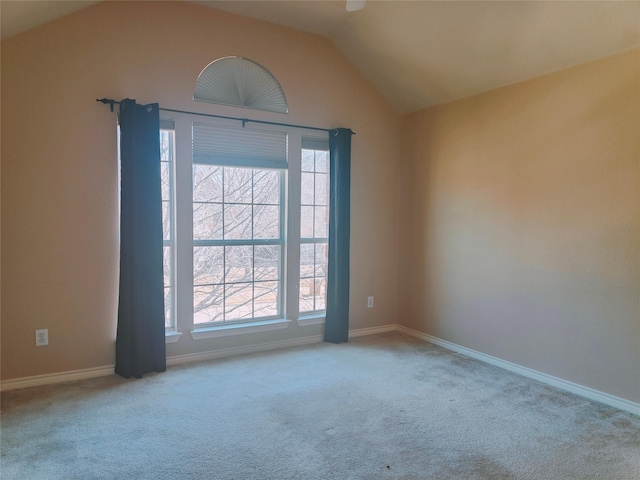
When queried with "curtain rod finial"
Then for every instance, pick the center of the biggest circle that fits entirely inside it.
(106, 101)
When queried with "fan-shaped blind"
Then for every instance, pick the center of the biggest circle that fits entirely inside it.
(239, 147)
(240, 82)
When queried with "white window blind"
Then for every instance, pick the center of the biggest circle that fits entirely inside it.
(309, 143)
(239, 146)
(167, 124)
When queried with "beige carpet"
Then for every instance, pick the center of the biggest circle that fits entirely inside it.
(381, 407)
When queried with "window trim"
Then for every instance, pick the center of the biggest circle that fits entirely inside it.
(313, 318)
(172, 336)
(239, 328)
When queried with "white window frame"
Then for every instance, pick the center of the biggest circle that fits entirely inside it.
(184, 242)
(171, 333)
(314, 144)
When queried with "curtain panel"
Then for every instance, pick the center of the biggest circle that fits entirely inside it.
(337, 316)
(140, 341)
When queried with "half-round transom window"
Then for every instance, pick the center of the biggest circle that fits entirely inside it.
(240, 82)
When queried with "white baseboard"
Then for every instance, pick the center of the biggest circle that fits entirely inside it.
(575, 388)
(361, 332)
(60, 377)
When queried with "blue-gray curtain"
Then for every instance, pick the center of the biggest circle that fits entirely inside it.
(337, 319)
(140, 341)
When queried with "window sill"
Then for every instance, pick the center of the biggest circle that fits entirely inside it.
(307, 320)
(239, 328)
(172, 337)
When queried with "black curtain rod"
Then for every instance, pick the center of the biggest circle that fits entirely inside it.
(111, 103)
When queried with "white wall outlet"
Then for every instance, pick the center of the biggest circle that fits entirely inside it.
(42, 337)
(370, 302)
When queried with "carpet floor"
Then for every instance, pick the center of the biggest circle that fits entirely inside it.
(380, 407)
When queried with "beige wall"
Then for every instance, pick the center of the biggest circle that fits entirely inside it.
(519, 208)
(521, 224)
(59, 182)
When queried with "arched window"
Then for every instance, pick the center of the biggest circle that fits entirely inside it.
(240, 82)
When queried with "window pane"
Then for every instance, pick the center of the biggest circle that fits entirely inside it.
(322, 250)
(266, 299)
(266, 262)
(321, 294)
(237, 185)
(164, 178)
(306, 222)
(306, 188)
(238, 264)
(207, 221)
(266, 186)
(306, 260)
(307, 160)
(266, 222)
(320, 222)
(167, 307)
(307, 286)
(237, 222)
(321, 189)
(322, 161)
(166, 267)
(165, 145)
(207, 183)
(208, 304)
(166, 220)
(313, 266)
(238, 301)
(208, 265)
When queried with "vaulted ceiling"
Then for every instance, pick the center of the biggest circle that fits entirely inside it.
(422, 53)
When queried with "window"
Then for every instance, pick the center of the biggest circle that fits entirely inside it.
(237, 243)
(167, 154)
(314, 223)
(247, 244)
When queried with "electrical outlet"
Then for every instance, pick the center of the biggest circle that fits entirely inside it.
(370, 302)
(42, 337)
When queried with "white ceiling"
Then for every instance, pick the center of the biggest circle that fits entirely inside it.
(421, 53)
